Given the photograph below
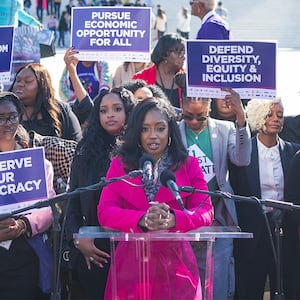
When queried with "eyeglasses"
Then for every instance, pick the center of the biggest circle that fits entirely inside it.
(13, 119)
(191, 118)
(180, 53)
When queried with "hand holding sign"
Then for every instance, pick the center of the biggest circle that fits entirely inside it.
(234, 102)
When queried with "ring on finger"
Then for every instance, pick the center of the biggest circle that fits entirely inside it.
(146, 220)
(91, 259)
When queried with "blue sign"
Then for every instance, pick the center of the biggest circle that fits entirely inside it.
(6, 46)
(111, 33)
(248, 67)
(22, 178)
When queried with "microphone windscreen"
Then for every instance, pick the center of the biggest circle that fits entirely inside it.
(165, 176)
(146, 157)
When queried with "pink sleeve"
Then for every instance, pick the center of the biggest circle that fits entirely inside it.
(41, 219)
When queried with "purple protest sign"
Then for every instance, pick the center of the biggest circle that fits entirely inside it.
(111, 33)
(248, 67)
(6, 46)
(22, 178)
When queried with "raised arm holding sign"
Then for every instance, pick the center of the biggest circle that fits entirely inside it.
(111, 33)
(248, 67)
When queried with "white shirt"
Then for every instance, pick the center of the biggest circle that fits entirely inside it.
(209, 14)
(184, 24)
(270, 172)
(161, 23)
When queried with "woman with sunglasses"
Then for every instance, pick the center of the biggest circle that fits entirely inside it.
(213, 142)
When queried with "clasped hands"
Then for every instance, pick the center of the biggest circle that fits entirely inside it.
(158, 217)
(11, 229)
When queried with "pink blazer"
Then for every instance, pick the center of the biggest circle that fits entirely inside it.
(173, 271)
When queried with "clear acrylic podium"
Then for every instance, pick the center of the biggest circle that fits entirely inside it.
(143, 242)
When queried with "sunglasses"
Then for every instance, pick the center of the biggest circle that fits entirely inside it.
(191, 118)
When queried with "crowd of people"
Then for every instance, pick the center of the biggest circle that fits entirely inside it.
(231, 145)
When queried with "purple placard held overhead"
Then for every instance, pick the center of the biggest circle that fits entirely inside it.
(22, 178)
(6, 46)
(111, 33)
(248, 67)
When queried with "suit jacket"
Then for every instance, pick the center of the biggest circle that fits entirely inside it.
(226, 142)
(172, 265)
(245, 181)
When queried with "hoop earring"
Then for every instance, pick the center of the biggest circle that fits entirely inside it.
(169, 141)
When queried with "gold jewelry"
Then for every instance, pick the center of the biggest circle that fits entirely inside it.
(166, 224)
(24, 229)
(146, 219)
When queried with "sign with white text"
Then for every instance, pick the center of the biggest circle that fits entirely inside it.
(22, 178)
(6, 51)
(111, 33)
(248, 67)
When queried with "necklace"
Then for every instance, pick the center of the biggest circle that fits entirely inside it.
(168, 92)
(196, 134)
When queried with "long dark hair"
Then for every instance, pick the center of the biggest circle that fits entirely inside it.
(97, 143)
(45, 98)
(131, 149)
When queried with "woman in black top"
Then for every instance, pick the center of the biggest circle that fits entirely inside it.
(42, 112)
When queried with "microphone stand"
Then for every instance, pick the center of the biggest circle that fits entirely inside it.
(56, 293)
(281, 205)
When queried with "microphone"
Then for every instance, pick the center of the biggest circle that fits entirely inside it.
(167, 178)
(63, 196)
(146, 163)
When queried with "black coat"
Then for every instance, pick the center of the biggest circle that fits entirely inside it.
(82, 211)
(245, 181)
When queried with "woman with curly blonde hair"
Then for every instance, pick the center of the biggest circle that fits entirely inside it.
(43, 113)
(257, 110)
(264, 178)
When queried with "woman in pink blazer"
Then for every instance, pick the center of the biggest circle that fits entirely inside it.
(143, 204)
